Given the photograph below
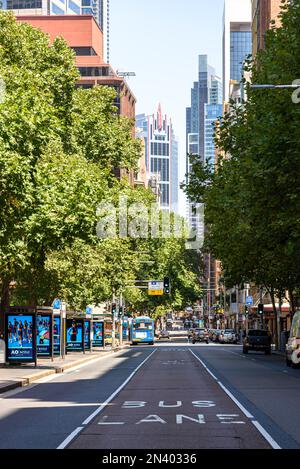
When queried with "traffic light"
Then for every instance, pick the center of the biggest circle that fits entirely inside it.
(246, 311)
(114, 309)
(167, 285)
(260, 309)
(121, 311)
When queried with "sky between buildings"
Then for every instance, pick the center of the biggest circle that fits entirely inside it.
(160, 41)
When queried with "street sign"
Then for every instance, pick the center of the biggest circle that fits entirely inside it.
(56, 304)
(155, 288)
(249, 300)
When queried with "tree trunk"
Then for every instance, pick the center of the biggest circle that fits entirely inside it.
(4, 303)
(292, 301)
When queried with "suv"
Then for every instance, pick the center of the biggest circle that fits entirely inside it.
(228, 336)
(200, 335)
(257, 339)
(164, 335)
(293, 345)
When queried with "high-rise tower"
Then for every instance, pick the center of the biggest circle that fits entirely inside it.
(161, 150)
(237, 41)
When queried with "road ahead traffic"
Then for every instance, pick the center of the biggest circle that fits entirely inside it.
(174, 395)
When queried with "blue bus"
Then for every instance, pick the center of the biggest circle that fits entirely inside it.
(142, 330)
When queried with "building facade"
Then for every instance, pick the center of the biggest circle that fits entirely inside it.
(263, 12)
(83, 34)
(99, 9)
(205, 109)
(237, 41)
(161, 154)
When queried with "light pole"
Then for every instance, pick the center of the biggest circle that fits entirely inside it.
(272, 87)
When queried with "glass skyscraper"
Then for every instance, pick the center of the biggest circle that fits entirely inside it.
(205, 109)
(161, 152)
(240, 48)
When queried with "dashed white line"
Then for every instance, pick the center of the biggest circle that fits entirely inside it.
(258, 426)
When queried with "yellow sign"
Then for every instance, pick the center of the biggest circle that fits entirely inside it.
(155, 292)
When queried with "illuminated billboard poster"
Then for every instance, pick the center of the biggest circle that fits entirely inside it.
(74, 334)
(125, 329)
(56, 335)
(87, 334)
(44, 335)
(98, 334)
(20, 338)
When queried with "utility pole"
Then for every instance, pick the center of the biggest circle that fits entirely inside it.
(121, 319)
(113, 333)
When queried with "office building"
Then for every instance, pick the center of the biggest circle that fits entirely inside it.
(237, 41)
(99, 9)
(83, 34)
(161, 154)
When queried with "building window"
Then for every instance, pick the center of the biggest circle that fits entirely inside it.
(95, 71)
(84, 51)
(74, 7)
(56, 10)
(23, 4)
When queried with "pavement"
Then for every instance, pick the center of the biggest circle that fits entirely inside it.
(14, 376)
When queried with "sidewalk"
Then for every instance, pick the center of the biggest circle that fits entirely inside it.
(15, 376)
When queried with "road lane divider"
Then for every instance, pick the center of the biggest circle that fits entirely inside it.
(257, 425)
(67, 441)
(70, 438)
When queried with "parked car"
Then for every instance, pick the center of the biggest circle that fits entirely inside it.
(216, 335)
(200, 335)
(164, 335)
(228, 336)
(257, 339)
(293, 345)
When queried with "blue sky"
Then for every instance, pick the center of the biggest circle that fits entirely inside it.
(160, 40)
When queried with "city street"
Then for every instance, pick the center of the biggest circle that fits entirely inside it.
(174, 395)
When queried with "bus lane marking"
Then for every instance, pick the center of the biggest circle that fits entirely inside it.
(97, 411)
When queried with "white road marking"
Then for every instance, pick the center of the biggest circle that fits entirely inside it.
(259, 427)
(267, 436)
(70, 438)
(97, 411)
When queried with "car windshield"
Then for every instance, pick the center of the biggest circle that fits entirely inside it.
(229, 331)
(200, 330)
(258, 333)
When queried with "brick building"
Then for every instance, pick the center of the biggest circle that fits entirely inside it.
(263, 12)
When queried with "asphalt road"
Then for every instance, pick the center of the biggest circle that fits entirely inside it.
(174, 395)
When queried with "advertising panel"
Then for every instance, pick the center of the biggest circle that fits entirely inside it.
(87, 334)
(56, 335)
(108, 332)
(44, 335)
(125, 329)
(98, 334)
(75, 336)
(20, 337)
